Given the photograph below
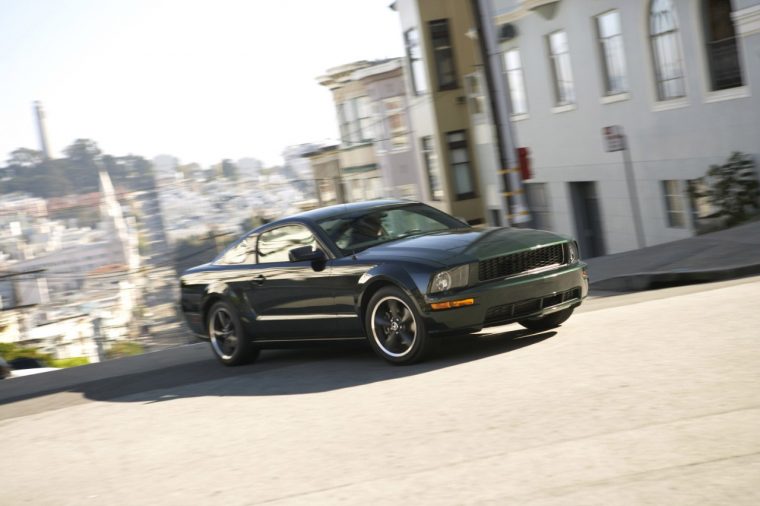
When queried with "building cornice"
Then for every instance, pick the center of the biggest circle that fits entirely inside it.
(512, 16)
(747, 21)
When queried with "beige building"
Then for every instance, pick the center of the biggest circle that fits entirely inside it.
(325, 162)
(456, 152)
(358, 164)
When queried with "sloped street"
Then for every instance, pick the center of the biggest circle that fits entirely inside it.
(638, 399)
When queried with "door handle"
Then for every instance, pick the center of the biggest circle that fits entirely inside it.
(259, 279)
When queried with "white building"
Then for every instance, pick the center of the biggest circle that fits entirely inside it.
(680, 77)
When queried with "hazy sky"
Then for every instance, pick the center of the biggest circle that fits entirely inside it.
(201, 80)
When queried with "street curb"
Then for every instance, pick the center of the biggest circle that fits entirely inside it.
(647, 280)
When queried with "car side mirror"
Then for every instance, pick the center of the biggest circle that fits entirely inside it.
(306, 254)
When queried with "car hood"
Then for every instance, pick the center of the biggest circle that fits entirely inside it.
(463, 245)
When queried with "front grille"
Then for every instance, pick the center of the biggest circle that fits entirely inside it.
(517, 263)
(516, 310)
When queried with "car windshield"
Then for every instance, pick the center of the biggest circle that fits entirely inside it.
(356, 232)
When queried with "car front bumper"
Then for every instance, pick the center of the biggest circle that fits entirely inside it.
(509, 300)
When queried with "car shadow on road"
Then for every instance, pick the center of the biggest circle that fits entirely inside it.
(288, 372)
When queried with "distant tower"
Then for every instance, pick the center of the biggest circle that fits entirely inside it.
(41, 129)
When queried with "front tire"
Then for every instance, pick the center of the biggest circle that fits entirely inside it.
(228, 341)
(549, 321)
(395, 329)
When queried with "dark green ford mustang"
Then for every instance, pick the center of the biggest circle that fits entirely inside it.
(396, 273)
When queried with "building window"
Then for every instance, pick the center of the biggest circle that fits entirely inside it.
(671, 189)
(663, 33)
(416, 65)
(431, 167)
(443, 54)
(459, 160)
(610, 36)
(722, 50)
(475, 97)
(516, 82)
(355, 119)
(396, 121)
(364, 115)
(344, 121)
(559, 52)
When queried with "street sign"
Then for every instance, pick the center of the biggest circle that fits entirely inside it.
(614, 138)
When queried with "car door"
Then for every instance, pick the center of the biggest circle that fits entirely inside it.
(290, 300)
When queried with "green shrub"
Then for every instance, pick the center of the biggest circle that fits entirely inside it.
(733, 188)
(124, 349)
(69, 362)
(9, 351)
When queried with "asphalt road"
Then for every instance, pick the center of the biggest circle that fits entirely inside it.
(649, 398)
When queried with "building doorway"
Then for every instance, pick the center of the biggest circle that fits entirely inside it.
(588, 219)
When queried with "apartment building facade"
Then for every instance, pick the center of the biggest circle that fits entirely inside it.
(678, 78)
(376, 154)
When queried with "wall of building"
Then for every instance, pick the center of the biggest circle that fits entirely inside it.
(672, 140)
(440, 111)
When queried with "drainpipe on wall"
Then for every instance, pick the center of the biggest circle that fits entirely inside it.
(514, 195)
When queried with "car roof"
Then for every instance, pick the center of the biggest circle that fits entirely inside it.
(325, 213)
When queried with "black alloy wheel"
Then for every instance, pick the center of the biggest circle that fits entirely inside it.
(547, 322)
(395, 329)
(228, 342)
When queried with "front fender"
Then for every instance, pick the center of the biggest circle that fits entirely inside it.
(412, 280)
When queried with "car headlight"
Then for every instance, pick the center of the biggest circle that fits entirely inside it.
(575, 255)
(450, 278)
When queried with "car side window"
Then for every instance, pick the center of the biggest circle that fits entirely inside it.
(275, 244)
(242, 253)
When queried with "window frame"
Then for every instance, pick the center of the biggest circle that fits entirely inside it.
(556, 73)
(417, 75)
(676, 218)
(401, 132)
(445, 51)
(705, 12)
(603, 49)
(460, 144)
(521, 73)
(676, 53)
(432, 170)
(355, 120)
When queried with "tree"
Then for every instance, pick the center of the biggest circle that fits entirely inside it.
(83, 150)
(25, 157)
(733, 188)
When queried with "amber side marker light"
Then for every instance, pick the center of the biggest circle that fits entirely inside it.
(452, 304)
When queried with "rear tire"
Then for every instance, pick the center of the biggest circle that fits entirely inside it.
(395, 329)
(229, 343)
(549, 321)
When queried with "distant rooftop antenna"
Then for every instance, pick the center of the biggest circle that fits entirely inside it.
(40, 114)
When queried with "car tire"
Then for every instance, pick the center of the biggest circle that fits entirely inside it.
(547, 322)
(229, 343)
(395, 329)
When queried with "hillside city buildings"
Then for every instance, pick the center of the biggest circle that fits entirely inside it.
(63, 287)
(593, 119)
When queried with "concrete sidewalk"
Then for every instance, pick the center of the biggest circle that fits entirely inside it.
(718, 256)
